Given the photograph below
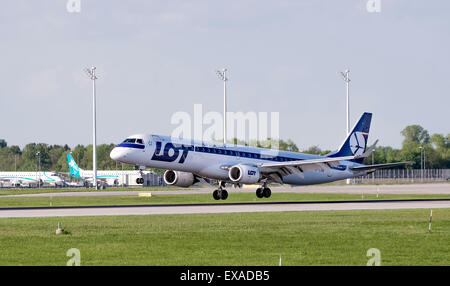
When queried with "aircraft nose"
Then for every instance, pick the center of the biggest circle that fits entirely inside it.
(116, 154)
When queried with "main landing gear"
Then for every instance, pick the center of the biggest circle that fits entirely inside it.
(263, 192)
(220, 193)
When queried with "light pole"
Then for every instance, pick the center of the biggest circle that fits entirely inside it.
(223, 76)
(347, 81)
(373, 174)
(421, 163)
(38, 154)
(424, 160)
(91, 73)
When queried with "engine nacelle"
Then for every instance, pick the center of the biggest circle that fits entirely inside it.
(179, 179)
(244, 174)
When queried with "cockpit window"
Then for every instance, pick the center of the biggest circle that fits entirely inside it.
(129, 140)
(139, 141)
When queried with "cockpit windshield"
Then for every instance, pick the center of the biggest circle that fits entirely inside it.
(133, 140)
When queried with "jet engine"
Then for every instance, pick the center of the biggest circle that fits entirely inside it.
(179, 179)
(244, 174)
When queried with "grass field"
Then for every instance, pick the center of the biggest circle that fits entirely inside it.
(194, 198)
(301, 238)
(24, 191)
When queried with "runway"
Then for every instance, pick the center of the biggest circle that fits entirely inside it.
(221, 208)
(405, 189)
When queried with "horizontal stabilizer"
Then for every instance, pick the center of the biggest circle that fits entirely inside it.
(380, 166)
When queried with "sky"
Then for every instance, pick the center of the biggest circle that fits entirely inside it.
(156, 58)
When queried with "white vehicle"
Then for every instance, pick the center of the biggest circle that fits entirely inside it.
(111, 178)
(25, 179)
(188, 161)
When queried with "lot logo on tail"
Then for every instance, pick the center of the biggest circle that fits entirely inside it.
(358, 143)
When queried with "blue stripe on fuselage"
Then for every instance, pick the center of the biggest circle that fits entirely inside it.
(244, 154)
(239, 152)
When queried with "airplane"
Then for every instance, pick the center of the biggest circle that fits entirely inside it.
(108, 177)
(188, 161)
(25, 179)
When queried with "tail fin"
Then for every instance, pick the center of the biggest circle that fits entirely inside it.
(356, 141)
(74, 169)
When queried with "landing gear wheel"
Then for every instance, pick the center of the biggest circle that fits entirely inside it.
(217, 195)
(224, 195)
(259, 193)
(267, 192)
(220, 194)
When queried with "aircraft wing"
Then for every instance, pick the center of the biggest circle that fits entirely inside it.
(330, 161)
(279, 169)
(300, 163)
(380, 166)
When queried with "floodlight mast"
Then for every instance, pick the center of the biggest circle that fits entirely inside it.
(347, 80)
(91, 73)
(223, 76)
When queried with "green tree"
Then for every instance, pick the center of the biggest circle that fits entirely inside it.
(62, 165)
(78, 154)
(288, 145)
(15, 150)
(313, 150)
(415, 134)
(8, 159)
(441, 146)
(104, 160)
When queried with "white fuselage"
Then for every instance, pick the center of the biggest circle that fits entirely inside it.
(212, 160)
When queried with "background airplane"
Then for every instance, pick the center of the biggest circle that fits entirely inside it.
(111, 178)
(25, 179)
(188, 161)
